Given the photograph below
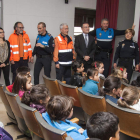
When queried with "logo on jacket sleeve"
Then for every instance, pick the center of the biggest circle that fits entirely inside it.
(123, 45)
(100, 34)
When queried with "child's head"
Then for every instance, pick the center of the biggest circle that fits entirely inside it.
(22, 82)
(119, 72)
(91, 74)
(103, 125)
(99, 66)
(136, 82)
(60, 107)
(78, 66)
(130, 96)
(112, 86)
(39, 94)
(23, 69)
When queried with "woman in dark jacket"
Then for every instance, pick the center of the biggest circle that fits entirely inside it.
(4, 56)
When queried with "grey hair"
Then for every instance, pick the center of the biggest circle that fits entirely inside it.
(104, 19)
(63, 24)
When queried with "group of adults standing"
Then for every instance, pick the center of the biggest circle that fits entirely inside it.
(18, 50)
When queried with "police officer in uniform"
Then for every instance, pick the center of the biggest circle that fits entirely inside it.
(43, 49)
(104, 37)
(127, 51)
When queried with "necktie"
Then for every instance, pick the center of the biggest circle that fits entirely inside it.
(86, 41)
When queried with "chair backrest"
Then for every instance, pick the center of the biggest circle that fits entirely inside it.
(11, 97)
(49, 132)
(30, 119)
(91, 103)
(134, 76)
(70, 91)
(7, 105)
(52, 85)
(123, 85)
(129, 119)
(101, 82)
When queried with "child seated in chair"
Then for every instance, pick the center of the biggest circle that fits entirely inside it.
(104, 126)
(37, 98)
(78, 68)
(130, 98)
(136, 82)
(59, 110)
(111, 89)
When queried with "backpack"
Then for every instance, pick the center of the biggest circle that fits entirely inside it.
(4, 135)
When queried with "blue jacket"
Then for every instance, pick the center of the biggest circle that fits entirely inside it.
(70, 128)
(90, 87)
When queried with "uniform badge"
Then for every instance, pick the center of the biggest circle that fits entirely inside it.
(37, 38)
(100, 34)
(123, 45)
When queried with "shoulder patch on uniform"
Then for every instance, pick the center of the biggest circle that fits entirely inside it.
(49, 34)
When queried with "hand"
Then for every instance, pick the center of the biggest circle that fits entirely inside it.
(39, 45)
(120, 93)
(137, 68)
(84, 73)
(115, 65)
(81, 130)
(133, 26)
(31, 59)
(12, 62)
(86, 58)
(57, 66)
(2, 65)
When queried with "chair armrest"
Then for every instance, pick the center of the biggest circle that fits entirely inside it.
(75, 120)
(80, 87)
(64, 82)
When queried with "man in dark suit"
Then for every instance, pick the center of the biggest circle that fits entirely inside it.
(85, 46)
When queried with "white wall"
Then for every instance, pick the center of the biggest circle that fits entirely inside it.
(137, 19)
(31, 12)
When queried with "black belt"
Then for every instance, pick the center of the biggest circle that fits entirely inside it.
(42, 56)
(126, 59)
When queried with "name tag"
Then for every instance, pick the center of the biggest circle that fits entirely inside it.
(44, 42)
(132, 47)
(109, 36)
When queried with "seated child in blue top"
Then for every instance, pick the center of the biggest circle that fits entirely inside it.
(59, 109)
(90, 81)
(37, 98)
(111, 89)
(78, 68)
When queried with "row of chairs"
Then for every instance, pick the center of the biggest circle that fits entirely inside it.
(28, 119)
(90, 104)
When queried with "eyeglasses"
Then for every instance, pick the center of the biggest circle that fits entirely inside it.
(21, 27)
(1, 32)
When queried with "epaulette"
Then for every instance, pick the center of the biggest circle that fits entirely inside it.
(49, 35)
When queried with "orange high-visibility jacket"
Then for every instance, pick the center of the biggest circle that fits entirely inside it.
(14, 47)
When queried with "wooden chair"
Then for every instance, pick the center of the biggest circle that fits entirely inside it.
(31, 121)
(49, 132)
(13, 99)
(9, 111)
(101, 82)
(129, 119)
(123, 85)
(52, 85)
(73, 92)
(91, 103)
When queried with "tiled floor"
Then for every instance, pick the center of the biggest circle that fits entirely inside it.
(11, 129)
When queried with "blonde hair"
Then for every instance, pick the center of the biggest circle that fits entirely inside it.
(130, 30)
(129, 95)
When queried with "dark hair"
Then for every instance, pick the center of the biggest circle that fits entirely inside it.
(76, 64)
(90, 72)
(96, 64)
(102, 125)
(110, 83)
(37, 93)
(16, 24)
(22, 69)
(20, 82)
(3, 31)
(129, 95)
(84, 23)
(136, 82)
(59, 107)
(43, 24)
